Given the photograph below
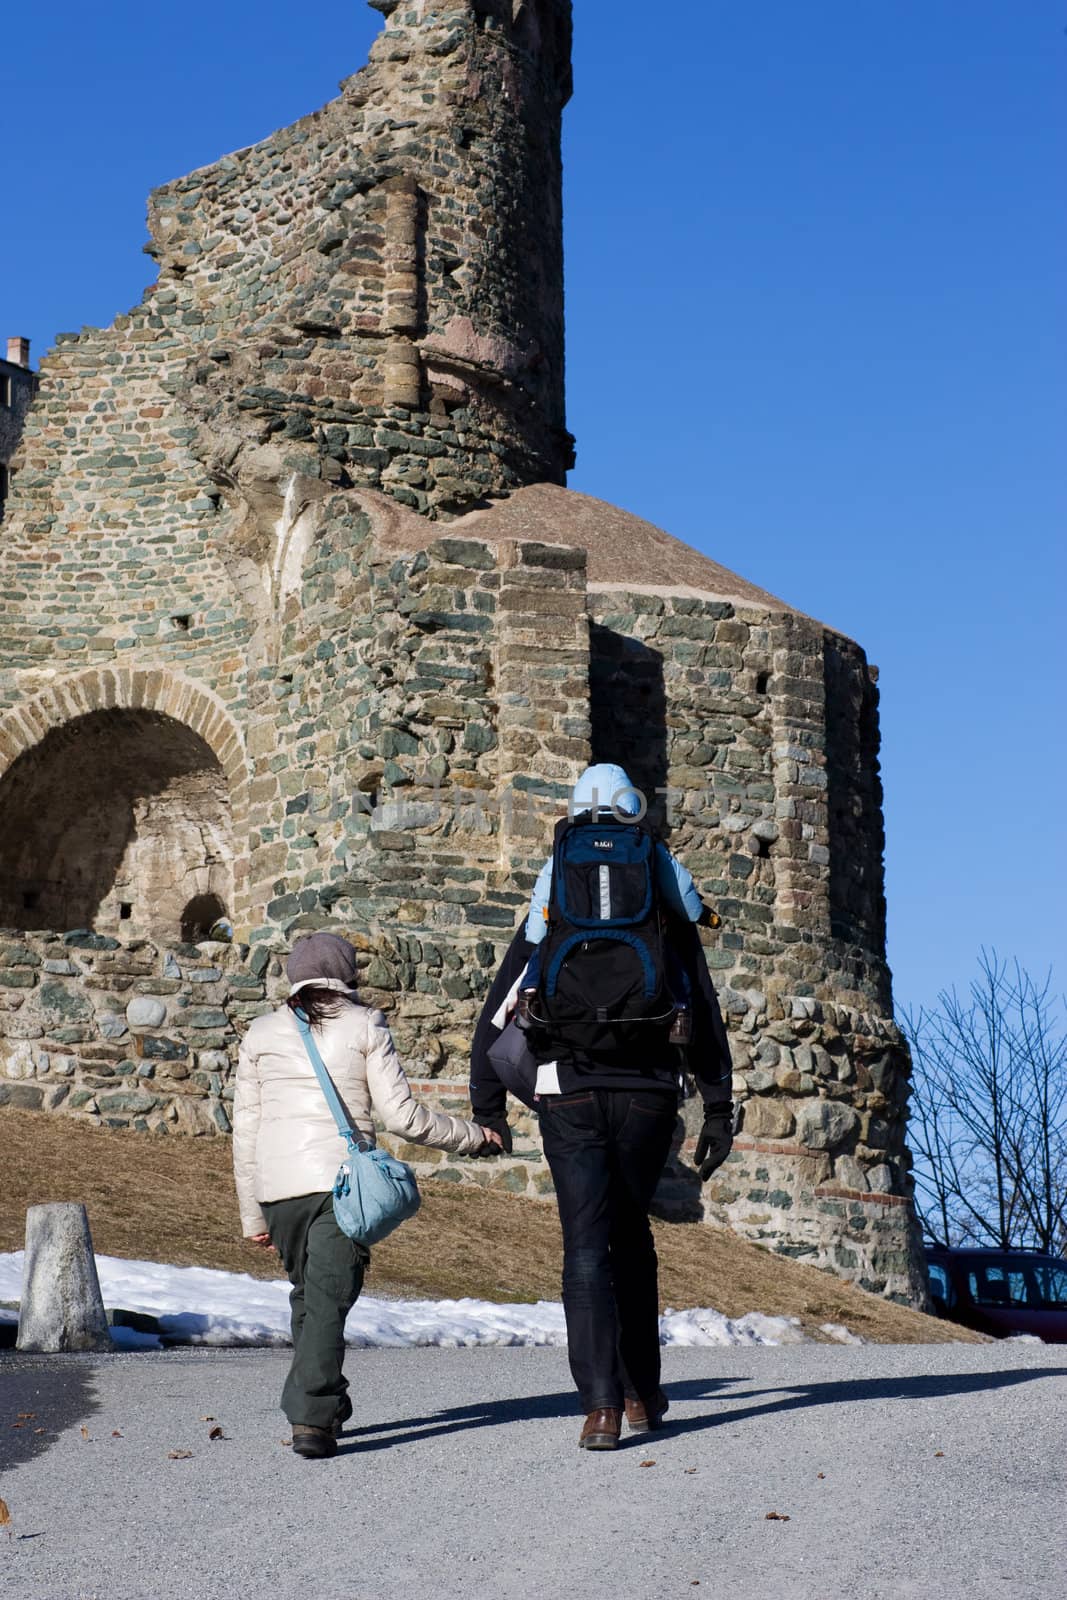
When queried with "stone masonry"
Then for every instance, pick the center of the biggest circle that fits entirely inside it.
(300, 629)
(18, 385)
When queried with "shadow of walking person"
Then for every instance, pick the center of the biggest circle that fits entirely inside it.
(848, 1391)
(764, 1402)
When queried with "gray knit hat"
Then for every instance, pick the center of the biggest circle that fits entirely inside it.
(324, 959)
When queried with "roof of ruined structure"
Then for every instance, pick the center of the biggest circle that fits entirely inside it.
(624, 552)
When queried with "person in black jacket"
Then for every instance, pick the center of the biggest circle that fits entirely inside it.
(606, 1144)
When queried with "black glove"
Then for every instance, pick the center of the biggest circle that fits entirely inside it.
(716, 1137)
(498, 1125)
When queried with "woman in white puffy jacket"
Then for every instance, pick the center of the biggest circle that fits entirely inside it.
(286, 1151)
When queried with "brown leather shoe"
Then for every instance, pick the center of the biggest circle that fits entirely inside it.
(601, 1429)
(644, 1415)
(316, 1444)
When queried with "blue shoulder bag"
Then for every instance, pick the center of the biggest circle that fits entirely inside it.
(373, 1193)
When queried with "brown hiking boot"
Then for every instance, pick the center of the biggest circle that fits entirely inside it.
(644, 1415)
(601, 1429)
(314, 1443)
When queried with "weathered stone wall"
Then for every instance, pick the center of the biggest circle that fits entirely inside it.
(760, 735)
(129, 1034)
(389, 757)
(114, 818)
(18, 385)
(134, 1035)
(373, 296)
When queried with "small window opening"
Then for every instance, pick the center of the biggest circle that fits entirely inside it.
(5, 391)
(125, 911)
(761, 849)
(200, 917)
(180, 624)
(31, 899)
(763, 681)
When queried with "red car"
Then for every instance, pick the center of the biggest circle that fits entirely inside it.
(1001, 1291)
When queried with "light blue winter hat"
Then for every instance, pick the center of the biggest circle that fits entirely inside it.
(606, 785)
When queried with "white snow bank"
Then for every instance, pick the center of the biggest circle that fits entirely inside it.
(198, 1305)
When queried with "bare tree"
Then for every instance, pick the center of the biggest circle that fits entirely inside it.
(989, 1112)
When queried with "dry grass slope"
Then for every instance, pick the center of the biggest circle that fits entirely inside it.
(159, 1199)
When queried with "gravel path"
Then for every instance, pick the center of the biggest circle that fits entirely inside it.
(904, 1471)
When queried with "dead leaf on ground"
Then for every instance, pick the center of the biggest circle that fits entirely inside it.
(25, 1416)
(938, 1453)
(775, 1516)
(820, 1474)
(85, 1431)
(116, 1433)
(178, 1455)
(216, 1432)
(646, 1463)
(288, 1443)
(5, 1515)
(689, 1471)
(207, 1419)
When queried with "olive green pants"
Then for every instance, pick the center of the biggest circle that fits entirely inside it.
(326, 1271)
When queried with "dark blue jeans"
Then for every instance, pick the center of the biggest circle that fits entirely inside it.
(606, 1149)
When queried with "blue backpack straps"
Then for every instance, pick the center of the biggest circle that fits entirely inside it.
(333, 1099)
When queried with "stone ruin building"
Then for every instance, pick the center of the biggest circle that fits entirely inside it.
(301, 628)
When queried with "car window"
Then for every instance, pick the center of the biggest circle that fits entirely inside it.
(993, 1284)
(1020, 1283)
(940, 1283)
(1050, 1284)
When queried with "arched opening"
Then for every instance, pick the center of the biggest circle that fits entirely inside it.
(116, 821)
(202, 917)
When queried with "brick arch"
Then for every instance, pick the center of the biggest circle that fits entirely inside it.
(140, 689)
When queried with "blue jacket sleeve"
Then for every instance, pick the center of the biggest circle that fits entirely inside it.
(535, 922)
(676, 885)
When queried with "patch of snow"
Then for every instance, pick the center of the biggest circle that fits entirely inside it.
(704, 1327)
(839, 1333)
(198, 1305)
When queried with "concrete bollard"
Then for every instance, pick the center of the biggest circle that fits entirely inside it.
(62, 1308)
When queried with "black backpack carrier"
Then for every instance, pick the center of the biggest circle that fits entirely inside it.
(603, 979)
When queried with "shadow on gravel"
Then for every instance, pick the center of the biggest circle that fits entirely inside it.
(491, 1414)
(548, 1407)
(42, 1396)
(498, 1413)
(795, 1397)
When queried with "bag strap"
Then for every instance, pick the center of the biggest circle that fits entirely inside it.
(333, 1099)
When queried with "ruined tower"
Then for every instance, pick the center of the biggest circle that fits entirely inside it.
(299, 623)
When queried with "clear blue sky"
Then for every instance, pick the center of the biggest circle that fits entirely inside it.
(816, 305)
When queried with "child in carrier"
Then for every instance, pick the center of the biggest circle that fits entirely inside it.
(604, 974)
(606, 787)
